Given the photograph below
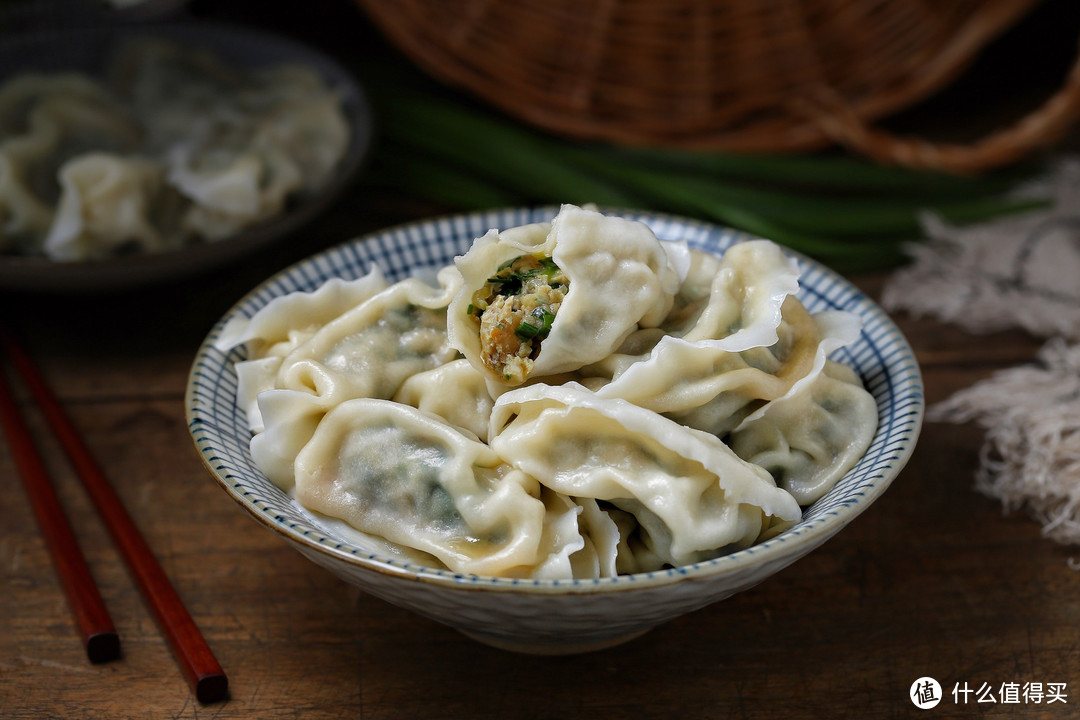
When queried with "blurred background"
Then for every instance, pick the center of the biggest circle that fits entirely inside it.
(477, 122)
(932, 580)
(706, 115)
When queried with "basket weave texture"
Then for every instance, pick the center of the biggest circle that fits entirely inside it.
(733, 75)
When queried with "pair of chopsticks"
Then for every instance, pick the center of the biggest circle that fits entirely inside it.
(102, 643)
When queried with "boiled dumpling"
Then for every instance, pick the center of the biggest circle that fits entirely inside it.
(370, 350)
(305, 122)
(287, 420)
(683, 481)
(711, 412)
(811, 437)
(185, 97)
(540, 300)
(369, 343)
(703, 385)
(394, 471)
(455, 392)
(237, 143)
(737, 300)
(107, 203)
(730, 345)
(46, 120)
(280, 325)
(231, 189)
(283, 324)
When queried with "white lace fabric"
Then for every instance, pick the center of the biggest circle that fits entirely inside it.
(1017, 272)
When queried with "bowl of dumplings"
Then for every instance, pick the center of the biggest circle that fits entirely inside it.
(555, 428)
(131, 154)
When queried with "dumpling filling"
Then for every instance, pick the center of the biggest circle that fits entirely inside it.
(516, 307)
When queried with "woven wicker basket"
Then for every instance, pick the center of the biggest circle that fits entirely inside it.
(736, 75)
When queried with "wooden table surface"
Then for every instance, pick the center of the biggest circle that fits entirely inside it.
(932, 580)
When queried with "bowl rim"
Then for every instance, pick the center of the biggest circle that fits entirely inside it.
(781, 550)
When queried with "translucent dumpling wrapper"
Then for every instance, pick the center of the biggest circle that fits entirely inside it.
(237, 143)
(456, 392)
(370, 350)
(283, 115)
(754, 341)
(811, 437)
(20, 94)
(63, 126)
(174, 90)
(704, 385)
(310, 351)
(564, 547)
(393, 471)
(797, 358)
(283, 324)
(707, 499)
(545, 299)
(569, 553)
(700, 432)
(231, 190)
(278, 327)
(45, 120)
(109, 203)
(74, 111)
(306, 123)
(736, 301)
(611, 542)
(236, 146)
(287, 419)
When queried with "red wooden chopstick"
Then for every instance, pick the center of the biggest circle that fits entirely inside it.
(197, 661)
(92, 618)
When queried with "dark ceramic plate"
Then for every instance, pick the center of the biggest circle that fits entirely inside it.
(89, 50)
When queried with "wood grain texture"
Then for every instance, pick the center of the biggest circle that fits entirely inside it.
(933, 579)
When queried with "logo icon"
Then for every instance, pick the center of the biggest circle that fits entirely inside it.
(925, 693)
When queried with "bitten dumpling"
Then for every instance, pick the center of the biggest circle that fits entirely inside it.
(656, 407)
(540, 300)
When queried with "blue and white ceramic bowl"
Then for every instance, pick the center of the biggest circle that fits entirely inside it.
(551, 616)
